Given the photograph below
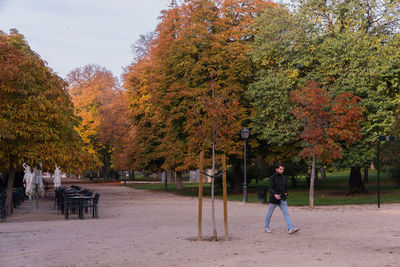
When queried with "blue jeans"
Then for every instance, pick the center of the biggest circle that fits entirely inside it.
(284, 208)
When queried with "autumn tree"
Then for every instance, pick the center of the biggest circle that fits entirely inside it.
(36, 113)
(118, 131)
(148, 126)
(225, 71)
(200, 48)
(93, 90)
(327, 123)
(192, 80)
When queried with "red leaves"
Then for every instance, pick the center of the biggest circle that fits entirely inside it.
(327, 121)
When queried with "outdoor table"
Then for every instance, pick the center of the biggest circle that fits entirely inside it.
(82, 200)
(70, 191)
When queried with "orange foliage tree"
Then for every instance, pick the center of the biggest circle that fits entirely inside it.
(327, 122)
(187, 91)
(148, 126)
(118, 130)
(97, 99)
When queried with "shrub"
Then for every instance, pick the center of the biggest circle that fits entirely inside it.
(395, 173)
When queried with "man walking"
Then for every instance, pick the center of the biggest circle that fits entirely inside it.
(278, 194)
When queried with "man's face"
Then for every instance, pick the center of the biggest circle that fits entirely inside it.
(280, 170)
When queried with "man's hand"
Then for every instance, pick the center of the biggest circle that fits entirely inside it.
(277, 196)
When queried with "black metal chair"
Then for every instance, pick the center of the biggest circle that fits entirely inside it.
(71, 204)
(76, 187)
(15, 200)
(18, 196)
(3, 197)
(93, 204)
(59, 200)
(84, 191)
(88, 193)
(22, 194)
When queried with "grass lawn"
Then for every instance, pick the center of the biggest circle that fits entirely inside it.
(331, 191)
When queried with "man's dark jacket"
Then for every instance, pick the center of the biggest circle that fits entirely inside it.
(277, 185)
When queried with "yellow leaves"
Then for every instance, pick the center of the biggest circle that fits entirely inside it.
(36, 109)
(99, 103)
(294, 73)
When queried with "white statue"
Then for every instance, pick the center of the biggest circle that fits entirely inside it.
(28, 180)
(36, 188)
(27, 173)
(57, 177)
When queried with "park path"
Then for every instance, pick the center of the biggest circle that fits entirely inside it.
(143, 228)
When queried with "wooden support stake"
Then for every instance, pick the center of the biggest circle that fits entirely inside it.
(200, 235)
(225, 196)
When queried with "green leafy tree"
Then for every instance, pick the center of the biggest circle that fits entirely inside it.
(343, 46)
(269, 95)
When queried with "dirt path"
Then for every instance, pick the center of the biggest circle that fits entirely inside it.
(142, 228)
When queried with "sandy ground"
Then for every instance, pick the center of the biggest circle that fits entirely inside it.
(142, 228)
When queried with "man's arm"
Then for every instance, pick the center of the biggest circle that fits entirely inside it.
(286, 187)
(271, 185)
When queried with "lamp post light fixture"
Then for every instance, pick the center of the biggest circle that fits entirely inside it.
(245, 134)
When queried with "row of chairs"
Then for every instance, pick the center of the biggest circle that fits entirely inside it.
(18, 196)
(81, 205)
(66, 201)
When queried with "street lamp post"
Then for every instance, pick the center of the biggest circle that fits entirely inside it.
(245, 133)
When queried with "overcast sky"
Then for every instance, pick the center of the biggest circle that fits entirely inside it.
(72, 33)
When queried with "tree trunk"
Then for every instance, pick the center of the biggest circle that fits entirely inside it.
(215, 238)
(322, 170)
(106, 167)
(131, 175)
(365, 174)
(10, 185)
(312, 179)
(170, 176)
(237, 176)
(355, 181)
(179, 181)
(106, 173)
(159, 175)
(113, 176)
(387, 171)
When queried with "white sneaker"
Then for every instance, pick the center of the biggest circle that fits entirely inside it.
(267, 230)
(293, 230)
